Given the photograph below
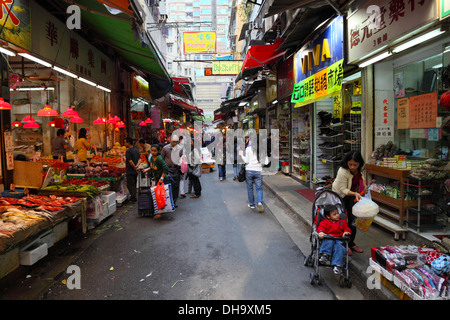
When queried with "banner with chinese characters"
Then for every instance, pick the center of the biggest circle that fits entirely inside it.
(199, 42)
(423, 111)
(324, 84)
(16, 25)
(403, 113)
(226, 67)
(52, 41)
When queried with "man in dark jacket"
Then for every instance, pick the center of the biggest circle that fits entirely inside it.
(132, 157)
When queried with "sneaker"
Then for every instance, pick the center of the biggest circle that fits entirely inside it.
(337, 269)
(324, 259)
(251, 207)
(260, 208)
(220, 179)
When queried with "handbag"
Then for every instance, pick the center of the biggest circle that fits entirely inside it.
(441, 265)
(184, 165)
(241, 175)
(169, 206)
(197, 170)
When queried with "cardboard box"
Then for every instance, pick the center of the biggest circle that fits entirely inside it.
(33, 253)
(109, 196)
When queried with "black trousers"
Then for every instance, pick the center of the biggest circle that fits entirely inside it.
(131, 185)
(196, 184)
(175, 173)
(349, 202)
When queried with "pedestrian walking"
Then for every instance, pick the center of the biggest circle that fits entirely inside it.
(173, 168)
(236, 164)
(222, 167)
(253, 175)
(349, 184)
(132, 157)
(157, 167)
(195, 171)
(184, 176)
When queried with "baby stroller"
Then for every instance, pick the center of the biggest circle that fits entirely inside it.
(322, 198)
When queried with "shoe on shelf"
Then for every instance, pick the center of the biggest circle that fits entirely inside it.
(260, 208)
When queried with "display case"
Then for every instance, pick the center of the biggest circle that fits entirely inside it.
(301, 144)
(393, 208)
(284, 131)
(425, 211)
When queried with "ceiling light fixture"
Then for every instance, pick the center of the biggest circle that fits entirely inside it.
(375, 59)
(417, 40)
(70, 74)
(32, 58)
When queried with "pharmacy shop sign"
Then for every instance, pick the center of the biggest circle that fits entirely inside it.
(377, 24)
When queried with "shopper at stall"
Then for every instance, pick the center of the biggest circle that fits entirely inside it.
(158, 168)
(83, 145)
(253, 175)
(59, 145)
(174, 168)
(350, 184)
(144, 148)
(131, 162)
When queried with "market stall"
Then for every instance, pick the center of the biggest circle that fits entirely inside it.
(413, 272)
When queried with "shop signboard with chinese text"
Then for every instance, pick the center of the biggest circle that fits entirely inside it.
(221, 68)
(15, 19)
(318, 68)
(199, 42)
(53, 41)
(140, 87)
(285, 80)
(423, 111)
(380, 22)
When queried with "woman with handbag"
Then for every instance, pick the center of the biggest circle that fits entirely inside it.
(253, 175)
(195, 171)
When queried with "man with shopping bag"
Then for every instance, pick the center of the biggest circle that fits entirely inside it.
(174, 168)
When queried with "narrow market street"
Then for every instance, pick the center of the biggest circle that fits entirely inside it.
(211, 248)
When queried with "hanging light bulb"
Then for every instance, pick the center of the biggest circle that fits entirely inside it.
(16, 123)
(70, 113)
(31, 125)
(76, 119)
(4, 105)
(52, 123)
(99, 121)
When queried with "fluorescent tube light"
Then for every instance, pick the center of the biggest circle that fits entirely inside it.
(418, 40)
(375, 59)
(70, 74)
(7, 52)
(87, 81)
(103, 88)
(33, 89)
(30, 57)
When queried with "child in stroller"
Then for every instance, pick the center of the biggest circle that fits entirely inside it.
(332, 226)
(329, 238)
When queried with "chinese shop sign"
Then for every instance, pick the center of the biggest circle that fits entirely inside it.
(199, 42)
(53, 41)
(226, 67)
(321, 85)
(16, 22)
(379, 22)
(423, 111)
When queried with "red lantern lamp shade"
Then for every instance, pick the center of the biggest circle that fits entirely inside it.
(52, 123)
(445, 100)
(28, 119)
(16, 123)
(4, 105)
(142, 123)
(70, 113)
(31, 125)
(47, 112)
(99, 121)
(76, 120)
(111, 121)
(148, 120)
(120, 124)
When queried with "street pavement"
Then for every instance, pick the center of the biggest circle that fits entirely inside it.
(210, 248)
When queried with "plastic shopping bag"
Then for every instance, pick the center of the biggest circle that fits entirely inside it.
(160, 195)
(365, 211)
(169, 206)
(184, 165)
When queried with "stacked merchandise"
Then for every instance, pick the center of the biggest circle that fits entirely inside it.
(421, 273)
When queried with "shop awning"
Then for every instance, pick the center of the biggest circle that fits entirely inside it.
(186, 106)
(230, 104)
(259, 56)
(120, 31)
(279, 6)
(182, 87)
